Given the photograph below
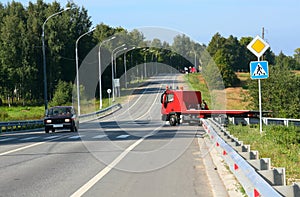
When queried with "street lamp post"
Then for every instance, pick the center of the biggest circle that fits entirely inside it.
(145, 59)
(77, 69)
(195, 57)
(44, 56)
(115, 56)
(125, 67)
(112, 71)
(156, 58)
(100, 72)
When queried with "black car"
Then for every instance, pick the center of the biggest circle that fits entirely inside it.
(61, 117)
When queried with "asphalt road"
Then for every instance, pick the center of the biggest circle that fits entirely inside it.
(129, 153)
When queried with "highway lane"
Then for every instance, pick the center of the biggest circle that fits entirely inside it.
(129, 153)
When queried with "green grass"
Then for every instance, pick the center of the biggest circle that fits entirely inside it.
(15, 113)
(21, 113)
(196, 82)
(279, 143)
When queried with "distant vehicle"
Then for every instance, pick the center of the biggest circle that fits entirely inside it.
(61, 117)
(180, 106)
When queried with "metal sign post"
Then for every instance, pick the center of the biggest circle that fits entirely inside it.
(259, 103)
(109, 91)
(259, 70)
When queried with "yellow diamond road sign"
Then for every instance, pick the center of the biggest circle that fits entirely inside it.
(258, 46)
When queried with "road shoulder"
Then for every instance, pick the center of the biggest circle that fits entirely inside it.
(222, 181)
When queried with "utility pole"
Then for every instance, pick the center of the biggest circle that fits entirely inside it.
(263, 37)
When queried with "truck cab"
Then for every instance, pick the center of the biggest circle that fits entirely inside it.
(179, 105)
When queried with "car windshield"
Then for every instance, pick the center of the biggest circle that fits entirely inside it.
(59, 111)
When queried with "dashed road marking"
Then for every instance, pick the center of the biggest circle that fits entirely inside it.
(7, 139)
(29, 138)
(29, 146)
(51, 137)
(122, 136)
(99, 136)
(75, 137)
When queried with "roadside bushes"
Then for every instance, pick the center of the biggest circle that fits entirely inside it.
(3, 115)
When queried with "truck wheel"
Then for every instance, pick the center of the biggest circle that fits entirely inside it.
(173, 120)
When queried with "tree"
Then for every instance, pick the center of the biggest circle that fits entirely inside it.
(227, 54)
(246, 54)
(223, 61)
(217, 42)
(21, 60)
(182, 45)
(287, 61)
(62, 33)
(297, 58)
(12, 48)
(156, 43)
(280, 92)
(63, 94)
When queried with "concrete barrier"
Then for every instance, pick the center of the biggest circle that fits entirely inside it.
(275, 177)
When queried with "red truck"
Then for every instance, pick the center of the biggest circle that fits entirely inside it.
(179, 106)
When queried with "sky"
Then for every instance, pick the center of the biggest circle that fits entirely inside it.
(201, 19)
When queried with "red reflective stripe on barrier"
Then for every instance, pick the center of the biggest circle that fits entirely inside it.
(236, 167)
(256, 193)
(218, 144)
(224, 152)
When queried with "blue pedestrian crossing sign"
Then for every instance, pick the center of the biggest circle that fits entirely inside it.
(259, 70)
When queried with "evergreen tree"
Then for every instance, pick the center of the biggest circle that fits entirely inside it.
(63, 94)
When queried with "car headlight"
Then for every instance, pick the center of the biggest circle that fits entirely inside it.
(48, 121)
(67, 120)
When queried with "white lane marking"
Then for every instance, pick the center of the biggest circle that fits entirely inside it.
(7, 139)
(122, 136)
(99, 136)
(51, 137)
(28, 138)
(76, 137)
(106, 170)
(82, 190)
(29, 146)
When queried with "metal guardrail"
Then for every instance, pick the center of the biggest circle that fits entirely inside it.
(30, 124)
(100, 113)
(266, 121)
(255, 174)
(20, 125)
(282, 121)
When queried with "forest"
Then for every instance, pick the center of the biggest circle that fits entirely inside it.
(21, 56)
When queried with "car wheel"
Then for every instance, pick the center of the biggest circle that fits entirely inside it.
(73, 129)
(53, 130)
(46, 130)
